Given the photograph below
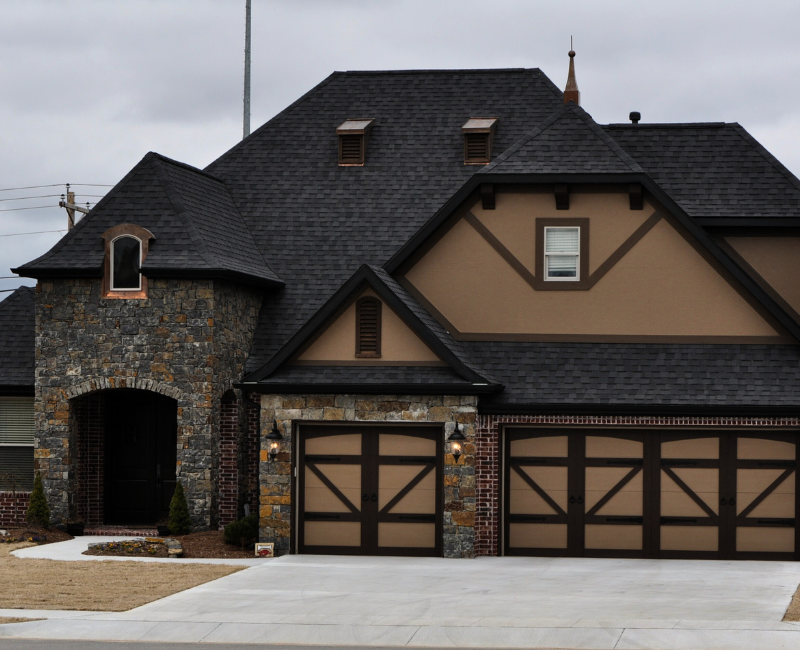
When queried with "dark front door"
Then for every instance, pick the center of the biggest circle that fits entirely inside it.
(140, 453)
(370, 490)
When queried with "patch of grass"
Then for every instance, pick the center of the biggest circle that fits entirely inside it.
(94, 586)
(793, 613)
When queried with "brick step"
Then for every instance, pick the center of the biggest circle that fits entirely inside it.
(121, 531)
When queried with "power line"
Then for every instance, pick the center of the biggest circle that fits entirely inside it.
(48, 196)
(36, 187)
(35, 207)
(36, 232)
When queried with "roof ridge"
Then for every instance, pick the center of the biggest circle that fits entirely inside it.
(186, 166)
(436, 71)
(176, 201)
(612, 144)
(666, 125)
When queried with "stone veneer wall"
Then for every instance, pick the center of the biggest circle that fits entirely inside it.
(459, 480)
(188, 340)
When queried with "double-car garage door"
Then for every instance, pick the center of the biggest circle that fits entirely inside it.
(670, 495)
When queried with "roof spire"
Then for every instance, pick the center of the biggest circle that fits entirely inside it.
(571, 92)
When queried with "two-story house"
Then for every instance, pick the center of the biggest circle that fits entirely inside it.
(435, 313)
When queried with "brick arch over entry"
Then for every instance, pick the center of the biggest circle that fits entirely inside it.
(104, 383)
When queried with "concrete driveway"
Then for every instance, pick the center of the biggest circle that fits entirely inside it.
(488, 602)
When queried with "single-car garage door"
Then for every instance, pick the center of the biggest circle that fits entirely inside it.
(367, 490)
(650, 494)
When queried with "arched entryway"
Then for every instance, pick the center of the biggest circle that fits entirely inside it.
(127, 453)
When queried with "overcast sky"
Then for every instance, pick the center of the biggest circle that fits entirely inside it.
(87, 87)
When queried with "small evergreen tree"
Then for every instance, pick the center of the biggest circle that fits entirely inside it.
(179, 521)
(38, 511)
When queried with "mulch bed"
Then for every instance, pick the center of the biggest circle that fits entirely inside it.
(210, 544)
(35, 534)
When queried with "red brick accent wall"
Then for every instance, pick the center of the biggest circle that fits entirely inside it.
(13, 508)
(90, 472)
(252, 447)
(488, 462)
(228, 461)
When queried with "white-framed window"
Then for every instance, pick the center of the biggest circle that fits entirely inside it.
(16, 443)
(126, 263)
(562, 251)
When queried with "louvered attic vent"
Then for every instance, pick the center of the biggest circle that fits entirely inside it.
(368, 328)
(353, 141)
(478, 135)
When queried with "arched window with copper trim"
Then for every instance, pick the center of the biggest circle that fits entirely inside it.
(368, 328)
(126, 247)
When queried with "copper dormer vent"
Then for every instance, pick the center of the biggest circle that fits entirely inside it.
(353, 140)
(478, 135)
(571, 92)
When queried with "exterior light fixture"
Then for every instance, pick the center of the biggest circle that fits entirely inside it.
(274, 438)
(456, 440)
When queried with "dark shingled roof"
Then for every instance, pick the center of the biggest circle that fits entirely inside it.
(372, 378)
(712, 170)
(316, 222)
(193, 218)
(640, 374)
(568, 142)
(17, 341)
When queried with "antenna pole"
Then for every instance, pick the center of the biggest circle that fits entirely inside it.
(246, 120)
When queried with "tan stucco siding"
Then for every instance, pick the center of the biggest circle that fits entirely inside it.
(514, 218)
(777, 260)
(398, 342)
(661, 287)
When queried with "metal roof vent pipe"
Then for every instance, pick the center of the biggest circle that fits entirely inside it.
(634, 117)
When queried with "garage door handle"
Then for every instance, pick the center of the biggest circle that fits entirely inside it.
(731, 501)
(580, 499)
(366, 498)
(374, 497)
(572, 499)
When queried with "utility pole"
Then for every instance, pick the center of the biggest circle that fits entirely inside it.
(70, 206)
(246, 121)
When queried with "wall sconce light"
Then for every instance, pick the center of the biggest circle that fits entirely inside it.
(456, 440)
(274, 438)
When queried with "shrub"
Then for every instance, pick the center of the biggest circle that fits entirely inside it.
(179, 521)
(38, 511)
(242, 532)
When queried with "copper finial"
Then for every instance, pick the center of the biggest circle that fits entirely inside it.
(571, 92)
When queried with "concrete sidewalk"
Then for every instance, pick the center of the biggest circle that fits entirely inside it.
(72, 551)
(488, 602)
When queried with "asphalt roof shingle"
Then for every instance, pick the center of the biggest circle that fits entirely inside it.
(17, 325)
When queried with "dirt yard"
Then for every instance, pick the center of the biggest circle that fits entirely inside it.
(6, 619)
(793, 613)
(96, 586)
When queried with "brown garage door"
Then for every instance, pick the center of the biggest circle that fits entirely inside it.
(370, 490)
(650, 494)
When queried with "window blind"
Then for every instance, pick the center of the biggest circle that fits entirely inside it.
(16, 421)
(16, 469)
(562, 240)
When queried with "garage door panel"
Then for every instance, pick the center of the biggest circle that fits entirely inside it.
(332, 533)
(319, 497)
(535, 536)
(701, 448)
(392, 444)
(543, 447)
(421, 498)
(344, 444)
(613, 537)
(608, 447)
(762, 539)
(406, 535)
(760, 449)
(690, 538)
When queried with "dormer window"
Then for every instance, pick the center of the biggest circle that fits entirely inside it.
(368, 328)
(126, 262)
(353, 141)
(126, 249)
(478, 135)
